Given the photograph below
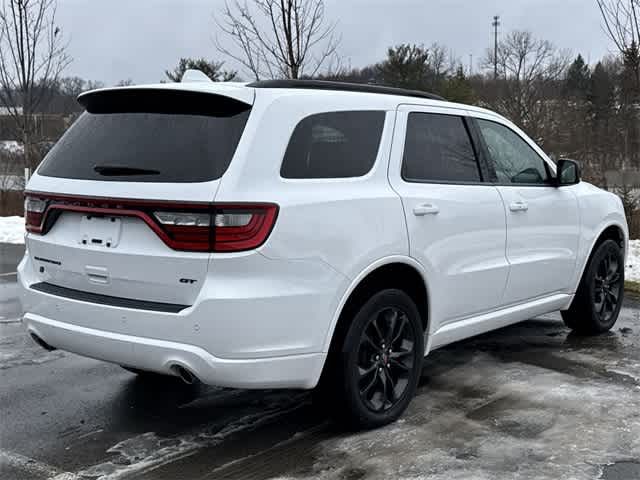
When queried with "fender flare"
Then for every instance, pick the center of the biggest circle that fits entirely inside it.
(361, 276)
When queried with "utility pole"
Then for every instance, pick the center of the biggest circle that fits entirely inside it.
(470, 64)
(495, 25)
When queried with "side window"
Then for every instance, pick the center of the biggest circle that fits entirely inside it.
(438, 148)
(512, 158)
(334, 145)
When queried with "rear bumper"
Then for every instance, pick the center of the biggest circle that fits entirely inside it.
(294, 371)
(262, 331)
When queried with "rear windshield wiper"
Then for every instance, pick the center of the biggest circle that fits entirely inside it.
(121, 170)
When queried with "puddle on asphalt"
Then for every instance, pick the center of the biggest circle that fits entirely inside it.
(514, 416)
(625, 470)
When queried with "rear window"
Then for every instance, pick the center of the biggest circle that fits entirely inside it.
(334, 145)
(149, 136)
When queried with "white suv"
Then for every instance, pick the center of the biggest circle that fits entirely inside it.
(294, 234)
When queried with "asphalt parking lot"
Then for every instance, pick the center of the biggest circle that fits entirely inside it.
(531, 401)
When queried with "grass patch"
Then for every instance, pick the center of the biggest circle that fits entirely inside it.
(632, 287)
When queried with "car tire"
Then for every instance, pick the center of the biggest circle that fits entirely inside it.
(597, 302)
(374, 374)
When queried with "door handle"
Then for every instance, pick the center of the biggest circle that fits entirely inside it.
(519, 206)
(425, 209)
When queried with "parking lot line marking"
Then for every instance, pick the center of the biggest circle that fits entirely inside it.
(8, 274)
(34, 467)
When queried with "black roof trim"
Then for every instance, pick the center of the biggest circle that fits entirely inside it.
(344, 87)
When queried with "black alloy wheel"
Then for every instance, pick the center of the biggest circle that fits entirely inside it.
(375, 365)
(385, 358)
(606, 286)
(597, 302)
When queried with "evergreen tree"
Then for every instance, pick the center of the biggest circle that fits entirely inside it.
(406, 66)
(601, 93)
(578, 79)
(458, 88)
(630, 73)
(630, 103)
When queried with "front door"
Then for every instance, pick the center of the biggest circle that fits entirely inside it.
(542, 220)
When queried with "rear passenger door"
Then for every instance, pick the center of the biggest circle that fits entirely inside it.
(456, 222)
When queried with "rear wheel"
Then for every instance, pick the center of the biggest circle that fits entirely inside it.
(376, 371)
(598, 300)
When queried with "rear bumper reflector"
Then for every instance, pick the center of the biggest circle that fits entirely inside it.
(106, 299)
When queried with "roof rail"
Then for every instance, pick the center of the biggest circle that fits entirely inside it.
(343, 87)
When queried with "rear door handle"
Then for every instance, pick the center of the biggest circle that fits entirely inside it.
(519, 206)
(426, 209)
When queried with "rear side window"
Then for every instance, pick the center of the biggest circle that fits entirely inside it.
(149, 136)
(438, 149)
(334, 145)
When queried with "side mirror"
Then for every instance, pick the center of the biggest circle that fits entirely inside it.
(567, 173)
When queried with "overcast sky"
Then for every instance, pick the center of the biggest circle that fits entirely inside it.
(138, 39)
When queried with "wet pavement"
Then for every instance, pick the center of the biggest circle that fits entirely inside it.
(531, 401)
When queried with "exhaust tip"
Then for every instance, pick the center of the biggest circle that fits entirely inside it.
(42, 343)
(185, 375)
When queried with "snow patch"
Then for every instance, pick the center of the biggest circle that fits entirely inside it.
(12, 229)
(632, 270)
(12, 182)
(11, 146)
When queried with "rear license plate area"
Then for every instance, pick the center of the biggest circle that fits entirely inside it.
(100, 231)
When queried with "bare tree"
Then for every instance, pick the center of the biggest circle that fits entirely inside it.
(278, 38)
(32, 57)
(622, 23)
(527, 70)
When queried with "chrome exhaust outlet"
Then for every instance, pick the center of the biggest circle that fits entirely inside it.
(42, 343)
(185, 375)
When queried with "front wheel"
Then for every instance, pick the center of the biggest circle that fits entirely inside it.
(380, 361)
(598, 300)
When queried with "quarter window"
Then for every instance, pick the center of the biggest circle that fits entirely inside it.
(438, 149)
(334, 145)
(513, 159)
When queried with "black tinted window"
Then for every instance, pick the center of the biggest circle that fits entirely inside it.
(438, 148)
(513, 160)
(150, 136)
(333, 145)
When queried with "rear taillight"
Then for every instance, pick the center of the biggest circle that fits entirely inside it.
(242, 227)
(195, 227)
(187, 230)
(34, 209)
(229, 228)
